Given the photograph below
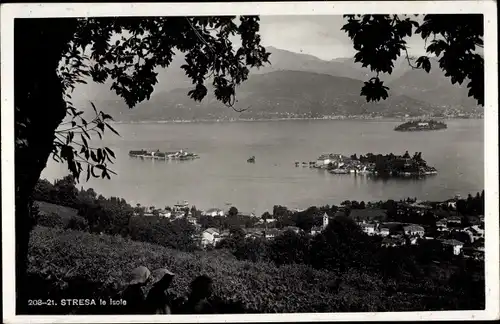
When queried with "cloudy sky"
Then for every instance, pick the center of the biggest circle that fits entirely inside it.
(316, 35)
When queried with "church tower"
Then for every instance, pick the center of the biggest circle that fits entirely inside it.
(325, 220)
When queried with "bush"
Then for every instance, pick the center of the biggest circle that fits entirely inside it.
(50, 220)
(77, 223)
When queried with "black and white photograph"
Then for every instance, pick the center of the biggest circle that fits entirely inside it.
(296, 161)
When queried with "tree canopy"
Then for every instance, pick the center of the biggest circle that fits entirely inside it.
(451, 41)
(54, 54)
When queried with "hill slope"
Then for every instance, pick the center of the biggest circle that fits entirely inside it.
(279, 94)
(294, 83)
(433, 88)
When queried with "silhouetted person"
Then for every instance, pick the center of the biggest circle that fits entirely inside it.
(133, 294)
(197, 303)
(158, 301)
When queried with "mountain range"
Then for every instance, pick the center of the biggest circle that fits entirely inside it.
(295, 85)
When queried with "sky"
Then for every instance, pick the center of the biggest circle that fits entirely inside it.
(315, 35)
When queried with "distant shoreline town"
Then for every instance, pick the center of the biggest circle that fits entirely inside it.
(337, 117)
(457, 223)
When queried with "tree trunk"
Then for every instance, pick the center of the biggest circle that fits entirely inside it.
(39, 109)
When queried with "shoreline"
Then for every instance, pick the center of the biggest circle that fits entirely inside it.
(239, 120)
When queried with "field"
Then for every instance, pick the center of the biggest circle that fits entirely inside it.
(74, 262)
(62, 211)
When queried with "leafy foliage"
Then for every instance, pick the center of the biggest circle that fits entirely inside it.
(141, 45)
(113, 216)
(451, 40)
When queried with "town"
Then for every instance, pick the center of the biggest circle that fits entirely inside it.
(457, 224)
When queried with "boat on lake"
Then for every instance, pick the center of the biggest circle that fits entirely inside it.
(251, 159)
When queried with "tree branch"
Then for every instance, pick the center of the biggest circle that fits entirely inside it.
(409, 62)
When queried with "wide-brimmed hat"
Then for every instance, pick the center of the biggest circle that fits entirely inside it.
(159, 274)
(140, 275)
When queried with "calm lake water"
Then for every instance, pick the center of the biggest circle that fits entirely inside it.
(222, 176)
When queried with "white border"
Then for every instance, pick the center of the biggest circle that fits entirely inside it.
(488, 8)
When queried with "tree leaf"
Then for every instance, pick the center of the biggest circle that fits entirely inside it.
(84, 141)
(93, 106)
(112, 129)
(110, 152)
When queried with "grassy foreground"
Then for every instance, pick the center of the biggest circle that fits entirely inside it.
(100, 263)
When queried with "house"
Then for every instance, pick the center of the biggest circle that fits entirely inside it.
(414, 240)
(442, 225)
(479, 231)
(384, 231)
(390, 228)
(245, 215)
(451, 204)
(369, 229)
(180, 206)
(392, 242)
(209, 237)
(212, 212)
(222, 235)
(423, 124)
(294, 229)
(326, 159)
(323, 161)
(191, 220)
(271, 233)
(316, 230)
(414, 230)
(455, 220)
(164, 213)
(420, 208)
(179, 214)
(253, 232)
(457, 246)
(368, 214)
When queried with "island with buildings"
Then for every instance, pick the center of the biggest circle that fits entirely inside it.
(180, 155)
(420, 125)
(376, 164)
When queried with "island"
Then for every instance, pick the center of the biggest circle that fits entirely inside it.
(420, 125)
(180, 155)
(388, 165)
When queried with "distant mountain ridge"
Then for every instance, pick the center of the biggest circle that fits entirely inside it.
(295, 84)
(279, 94)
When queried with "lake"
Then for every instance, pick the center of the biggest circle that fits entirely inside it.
(222, 175)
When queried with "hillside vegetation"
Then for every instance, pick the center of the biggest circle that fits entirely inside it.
(83, 265)
(88, 255)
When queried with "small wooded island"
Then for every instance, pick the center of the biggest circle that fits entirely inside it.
(420, 125)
